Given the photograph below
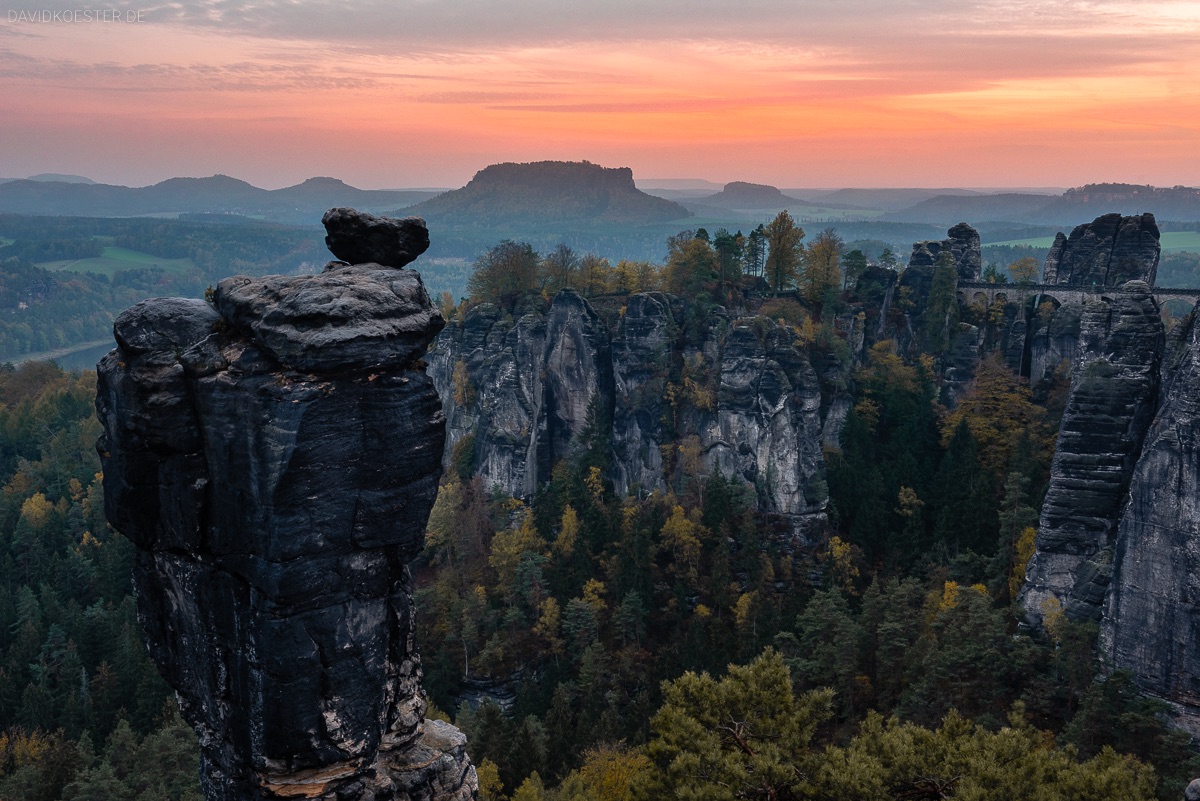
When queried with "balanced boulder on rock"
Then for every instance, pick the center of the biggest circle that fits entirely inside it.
(274, 459)
(356, 237)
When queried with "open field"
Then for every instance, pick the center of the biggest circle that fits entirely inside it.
(1171, 241)
(116, 259)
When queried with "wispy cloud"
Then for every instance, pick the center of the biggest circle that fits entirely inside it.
(476, 79)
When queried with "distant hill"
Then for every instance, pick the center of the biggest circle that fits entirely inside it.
(61, 178)
(676, 188)
(750, 202)
(1011, 207)
(688, 184)
(743, 195)
(549, 192)
(217, 194)
(1074, 206)
(1166, 203)
(886, 199)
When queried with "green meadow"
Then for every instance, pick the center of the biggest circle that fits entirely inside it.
(1172, 241)
(113, 260)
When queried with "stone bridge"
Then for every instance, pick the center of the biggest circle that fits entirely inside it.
(971, 291)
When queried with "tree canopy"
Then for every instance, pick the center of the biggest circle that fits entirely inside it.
(785, 251)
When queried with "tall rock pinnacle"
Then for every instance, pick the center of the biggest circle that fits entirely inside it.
(274, 457)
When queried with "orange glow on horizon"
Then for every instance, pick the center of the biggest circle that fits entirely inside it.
(174, 101)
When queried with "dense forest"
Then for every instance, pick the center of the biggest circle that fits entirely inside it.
(83, 713)
(595, 627)
(676, 644)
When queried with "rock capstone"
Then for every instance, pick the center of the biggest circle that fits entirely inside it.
(274, 461)
(356, 237)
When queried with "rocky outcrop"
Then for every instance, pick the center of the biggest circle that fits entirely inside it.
(767, 429)
(961, 242)
(646, 336)
(274, 459)
(961, 361)
(913, 297)
(520, 389)
(1151, 620)
(1111, 403)
(1107, 252)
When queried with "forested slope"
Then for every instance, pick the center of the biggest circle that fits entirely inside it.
(583, 633)
(83, 713)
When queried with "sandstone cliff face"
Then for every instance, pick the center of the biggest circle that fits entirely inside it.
(767, 428)
(1108, 251)
(1151, 620)
(274, 460)
(527, 388)
(1114, 390)
(645, 338)
(1054, 340)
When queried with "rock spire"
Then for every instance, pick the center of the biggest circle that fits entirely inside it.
(274, 457)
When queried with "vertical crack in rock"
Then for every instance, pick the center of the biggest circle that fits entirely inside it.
(1114, 389)
(274, 457)
(1151, 624)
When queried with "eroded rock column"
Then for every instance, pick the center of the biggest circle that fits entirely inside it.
(1114, 392)
(274, 457)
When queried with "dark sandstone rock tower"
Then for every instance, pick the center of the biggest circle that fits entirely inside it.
(1151, 621)
(274, 457)
(1114, 389)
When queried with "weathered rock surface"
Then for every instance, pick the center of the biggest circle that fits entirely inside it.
(1151, 620)
(1107, 252)
(904, 316)
(356, 237)
(962, 242)
(1054, 340)
(767, 428)
(1114, 391)
(746, 400)
(643, 343)
(961, 362)
(275, 463)
(356, 318)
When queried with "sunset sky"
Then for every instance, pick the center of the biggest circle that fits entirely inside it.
(408, 93)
